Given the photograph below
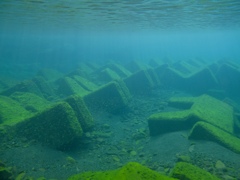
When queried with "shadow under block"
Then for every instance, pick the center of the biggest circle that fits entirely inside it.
(186, 171)
(112, 97)
(131, 171)
(56, 127)
(203, 108)
(206, 131)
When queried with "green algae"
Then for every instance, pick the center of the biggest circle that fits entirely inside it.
(11, 112)
(186, 171)
(112, 97)
(202, 108)
(68, 86)
(206, 131)
(82, 113)
(56, 126)
(130, 171)
(30, 101)
(86, 84)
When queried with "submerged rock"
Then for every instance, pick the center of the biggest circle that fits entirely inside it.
(130, 171)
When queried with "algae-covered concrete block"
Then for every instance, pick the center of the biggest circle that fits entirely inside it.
(45, 87)
(202, 108)
(84, 116)
(56, 126)
(85, 83)
(206, 131)
(171, 121)
(68, 86)
(186, 171)
(107, 75)
(193, 81)
(120, 70)
(11, 112)
(30, 101)
(139, 83)
(201, 81)
(7, 82)
(25, 86)
(49, 74)
(130, 171)
(154, 77)
(112, 97)
(135, 66)
(229, 79)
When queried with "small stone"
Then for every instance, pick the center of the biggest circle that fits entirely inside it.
(183, 158)
(191, 148)
(220, 165)
(133, 153)
(227, 177)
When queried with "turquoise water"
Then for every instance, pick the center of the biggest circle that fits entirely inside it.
(49, 32)
(127, 62)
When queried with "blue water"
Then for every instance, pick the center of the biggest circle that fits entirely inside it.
(60, 34)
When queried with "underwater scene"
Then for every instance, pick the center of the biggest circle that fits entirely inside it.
(119, 90)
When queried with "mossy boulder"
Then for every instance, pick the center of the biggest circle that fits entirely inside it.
(202, 108)
(112, 97)
(57, 126)
(139, 83)
(82, 113)
(187, 171)
(130, 171)
(206, 131)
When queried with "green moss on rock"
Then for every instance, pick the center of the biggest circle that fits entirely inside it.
(56, 126)
(186, 171)
(130, 171)
(206, 131)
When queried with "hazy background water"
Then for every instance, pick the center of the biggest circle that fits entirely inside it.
(60, 34)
